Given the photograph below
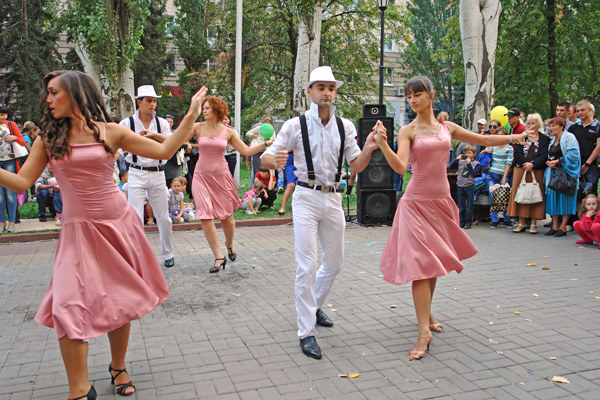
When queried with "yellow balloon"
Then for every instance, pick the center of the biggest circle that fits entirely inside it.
(498, 113)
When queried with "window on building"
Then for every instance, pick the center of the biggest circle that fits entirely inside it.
(170, 25)
(388, 77)
(211, 36)
(388, 43)
(171, 64)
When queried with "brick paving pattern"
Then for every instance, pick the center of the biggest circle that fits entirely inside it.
(232, 335)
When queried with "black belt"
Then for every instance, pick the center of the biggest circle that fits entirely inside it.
(153, 169)
(326, 189)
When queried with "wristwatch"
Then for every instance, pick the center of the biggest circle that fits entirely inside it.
(587, 164)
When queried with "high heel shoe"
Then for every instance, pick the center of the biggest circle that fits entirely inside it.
(123, 386)
(418, 354)
(216, 268)
(91, 395)
(230, 253)
(520, 228)
(436, 328)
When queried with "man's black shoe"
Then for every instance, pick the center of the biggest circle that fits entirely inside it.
(170, 262)
(43, 218)
(310, 347)
(323, 319)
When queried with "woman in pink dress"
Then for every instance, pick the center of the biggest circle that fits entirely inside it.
(426, 241)
(214, 190)
(105, 271)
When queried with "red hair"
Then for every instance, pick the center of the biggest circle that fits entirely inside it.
(218, 106)
(558, 121)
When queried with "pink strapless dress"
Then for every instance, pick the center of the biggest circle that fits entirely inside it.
(105, 271)
(426, 240)
(215, 191)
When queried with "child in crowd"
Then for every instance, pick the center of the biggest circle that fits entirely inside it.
(267, 177)
(251, 200)
(465, 182)
(588, 226)
(124, 178)
(176, 209)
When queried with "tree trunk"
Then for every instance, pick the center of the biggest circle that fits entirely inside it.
(121, 104)
(552, 68)
(26, 80)
(479, 34)
(307, 59)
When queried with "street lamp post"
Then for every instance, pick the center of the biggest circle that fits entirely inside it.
(383, 5)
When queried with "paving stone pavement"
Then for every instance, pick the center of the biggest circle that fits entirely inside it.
(232, 335)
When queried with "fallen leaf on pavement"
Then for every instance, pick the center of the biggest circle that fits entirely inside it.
(362, 272)
(530, 265)
(536, 295)
(353, 374)
(518, 313)
(499, 352)
(546, 268)
(393, 306)
(597, 297)
(498, 306)
(560, 379)
(591, 292)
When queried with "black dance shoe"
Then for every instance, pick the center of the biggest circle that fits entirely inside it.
(551, 232)
(323, 319)
(560, 233)
(310, 347)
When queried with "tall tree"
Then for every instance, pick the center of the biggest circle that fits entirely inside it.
(107, 35)
(28, 46)
(431, 50)
(479, 32)
(153, 62)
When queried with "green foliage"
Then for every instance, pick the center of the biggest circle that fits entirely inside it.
(433, 48)
(523, 70)
(193, 23)
(153, 62)
(110, 31)
(28, 49)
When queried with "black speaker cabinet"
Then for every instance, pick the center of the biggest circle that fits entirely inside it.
(378, 174)
(376, 206)
(374, 111)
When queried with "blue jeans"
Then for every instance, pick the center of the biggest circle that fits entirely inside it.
(57, 202)
(280, 179)
(8, 197)
(491, 180)
(42, 200)
(591, 176)
(465, 204)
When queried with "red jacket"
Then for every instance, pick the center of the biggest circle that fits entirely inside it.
(14, 130)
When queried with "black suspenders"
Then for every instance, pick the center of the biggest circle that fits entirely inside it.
(132, 127)
(308, 154)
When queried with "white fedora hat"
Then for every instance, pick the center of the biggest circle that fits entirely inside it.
(147, 91)
(322, 74)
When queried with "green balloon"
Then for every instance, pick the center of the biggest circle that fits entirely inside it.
(507, 126)
(266, 131)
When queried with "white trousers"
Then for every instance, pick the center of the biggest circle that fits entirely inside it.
(153, 185)
(316, 214)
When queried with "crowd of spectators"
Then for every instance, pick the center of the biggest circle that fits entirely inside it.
(563, 149)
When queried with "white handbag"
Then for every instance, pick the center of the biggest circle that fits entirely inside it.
(528, 192)
(18, 150)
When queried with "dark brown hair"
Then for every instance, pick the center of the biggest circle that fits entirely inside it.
(418, 84)
(557, 121)
(85, 97)
(218, 106)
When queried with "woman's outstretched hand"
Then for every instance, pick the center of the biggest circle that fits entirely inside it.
(197, 100)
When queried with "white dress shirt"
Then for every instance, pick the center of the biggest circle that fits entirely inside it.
(165, 129)
(324, 145)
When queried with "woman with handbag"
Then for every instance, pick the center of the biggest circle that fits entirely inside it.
(561, 177)
(529, 165)
(9, 135)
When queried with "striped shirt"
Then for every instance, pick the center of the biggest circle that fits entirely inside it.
(500, 159)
